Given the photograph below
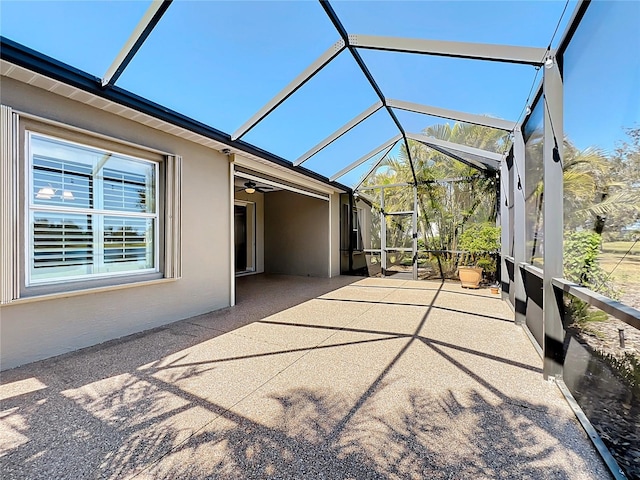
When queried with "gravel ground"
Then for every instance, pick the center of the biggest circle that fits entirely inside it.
(367, 379)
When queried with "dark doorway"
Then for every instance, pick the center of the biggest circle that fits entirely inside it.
(240, 234)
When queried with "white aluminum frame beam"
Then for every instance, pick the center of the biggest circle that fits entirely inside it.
(390, 185)
(503, 222)
(291, 88)
(377, 164)
(406, 184)
(366, 157)
(552, 224)
(493, 159)
(483, 120)
(468, 161)
(477, 51)
(519, 225)
(146, 24)
(338, 133)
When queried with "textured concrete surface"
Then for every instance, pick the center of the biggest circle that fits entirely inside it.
(304, 378)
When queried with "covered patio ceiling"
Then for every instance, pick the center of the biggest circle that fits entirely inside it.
(368, 78)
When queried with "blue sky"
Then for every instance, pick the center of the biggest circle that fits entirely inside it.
(219, 62)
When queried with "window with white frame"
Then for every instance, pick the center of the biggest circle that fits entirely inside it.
(357, 216)
(92, 213)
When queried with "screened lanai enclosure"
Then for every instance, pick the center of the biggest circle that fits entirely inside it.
(400, 140)
(427, 229)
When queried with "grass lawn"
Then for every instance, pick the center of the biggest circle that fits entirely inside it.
(626, 273)
(621, 248)
(627, 270)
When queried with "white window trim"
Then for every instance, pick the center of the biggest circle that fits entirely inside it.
(358, 213)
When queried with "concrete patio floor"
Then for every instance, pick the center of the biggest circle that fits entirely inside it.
(304, 378)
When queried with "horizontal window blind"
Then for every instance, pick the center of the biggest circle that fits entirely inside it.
(127, 239)
(62, 239)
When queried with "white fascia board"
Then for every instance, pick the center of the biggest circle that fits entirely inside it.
(418, 137)
(478, 51)
(286, 175)
(366, 157)
(491, 122)
(290, 89)
(338, 133)
(283, 186)
(144, 24)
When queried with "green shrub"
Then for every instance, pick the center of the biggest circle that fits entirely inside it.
(480, 238)
(627, 366)
(481, 241)
(581, 250)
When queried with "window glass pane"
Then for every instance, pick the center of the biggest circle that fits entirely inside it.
(62, 245)
(57, 182)
(601, 74)
(128, 244)
(130, 190)
(534, 138)
(357, 215)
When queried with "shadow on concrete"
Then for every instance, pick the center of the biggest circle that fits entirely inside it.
(105, 412)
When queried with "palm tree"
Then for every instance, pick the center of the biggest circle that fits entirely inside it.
(591, 189)
(450, 193)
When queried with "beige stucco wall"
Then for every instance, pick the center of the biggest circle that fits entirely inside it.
(258, 199)
(296, 234)
(41, 329)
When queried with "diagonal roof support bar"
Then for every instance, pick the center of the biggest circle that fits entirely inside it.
(419, 137)
(489, 160)
(483, 120)
(338, 133)
(366, 157)
(376, 165)
(290, 89)
(146, 24)
(477, 51)
(467, 161)
(356, 55)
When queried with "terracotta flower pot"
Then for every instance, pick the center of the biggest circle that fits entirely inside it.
(470, 277)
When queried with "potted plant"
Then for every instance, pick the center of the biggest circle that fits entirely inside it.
(479, 242)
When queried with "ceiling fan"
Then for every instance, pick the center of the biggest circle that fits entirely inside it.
(250, 187)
